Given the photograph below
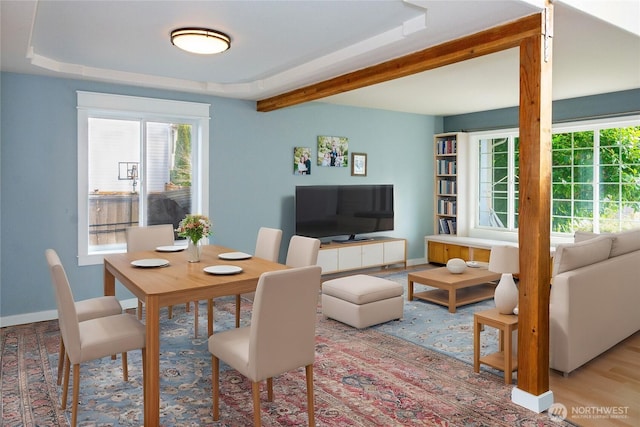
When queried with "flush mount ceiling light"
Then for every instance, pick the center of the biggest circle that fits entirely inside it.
(200, 40)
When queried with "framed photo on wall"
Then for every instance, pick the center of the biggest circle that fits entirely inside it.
(302, 161)
(358, 164)
(333, 151)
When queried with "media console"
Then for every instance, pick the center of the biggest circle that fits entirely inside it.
(377, 252)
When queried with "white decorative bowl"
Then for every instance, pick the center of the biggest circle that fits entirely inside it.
(456, 265)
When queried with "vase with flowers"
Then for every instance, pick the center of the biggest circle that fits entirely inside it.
(194, 227)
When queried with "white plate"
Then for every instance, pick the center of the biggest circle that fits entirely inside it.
(150, 262)
(473, 264)
(175, 248)
(223, 269)
(234, 255)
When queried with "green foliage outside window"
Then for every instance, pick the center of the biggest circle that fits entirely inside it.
(595, 181)
(180, 173)
(615, 189)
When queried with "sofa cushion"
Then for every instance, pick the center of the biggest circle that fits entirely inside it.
(581, 236)
(575, 255)
(625, 242)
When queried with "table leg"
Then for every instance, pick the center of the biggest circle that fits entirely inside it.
(507, 356)
(109, 283)
(452, 300)
(410, 291)
(152, 371)
(476, 344)
(109, 287)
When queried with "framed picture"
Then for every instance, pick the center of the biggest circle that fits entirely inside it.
(333, 151)
(358, 164)
(302, 161)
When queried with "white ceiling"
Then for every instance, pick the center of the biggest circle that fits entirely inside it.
(278, 46)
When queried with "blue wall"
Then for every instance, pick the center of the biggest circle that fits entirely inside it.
(613, 104)
(252, 182)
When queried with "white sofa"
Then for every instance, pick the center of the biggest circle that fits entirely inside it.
(595, 297)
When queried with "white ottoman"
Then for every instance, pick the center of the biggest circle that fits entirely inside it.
(361, 301)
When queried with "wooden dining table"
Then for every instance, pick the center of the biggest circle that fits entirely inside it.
(178, 282)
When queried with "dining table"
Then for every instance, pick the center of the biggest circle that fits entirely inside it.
(161, 279)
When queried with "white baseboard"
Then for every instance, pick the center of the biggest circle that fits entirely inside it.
(534, 403)
(416, 261)
(42, 316)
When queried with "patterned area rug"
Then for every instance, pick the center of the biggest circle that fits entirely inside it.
(362, 378)
(432, 326)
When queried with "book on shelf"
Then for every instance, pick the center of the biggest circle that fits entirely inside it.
(447, 146)
(452, 226)
(447, 226)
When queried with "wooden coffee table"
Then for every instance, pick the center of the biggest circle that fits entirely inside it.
(453, 290)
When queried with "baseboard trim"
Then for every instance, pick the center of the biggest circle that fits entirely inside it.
(534, 403)
(42, 316)
(416, 261)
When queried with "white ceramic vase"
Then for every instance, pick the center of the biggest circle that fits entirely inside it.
(194, 250)
(506, 294)
(456, 265)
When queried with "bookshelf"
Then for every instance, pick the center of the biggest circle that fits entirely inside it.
(448, 148)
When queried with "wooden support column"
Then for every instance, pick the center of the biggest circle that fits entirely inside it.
(534, 219)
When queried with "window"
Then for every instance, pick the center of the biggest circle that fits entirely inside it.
(141, 162)
(498, 182)
(595, 178)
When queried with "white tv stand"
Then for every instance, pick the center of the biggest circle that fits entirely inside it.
(376, 252)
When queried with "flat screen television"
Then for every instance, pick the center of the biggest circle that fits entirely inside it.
(343, 210)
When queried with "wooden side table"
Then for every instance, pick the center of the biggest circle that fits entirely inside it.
(502, 359)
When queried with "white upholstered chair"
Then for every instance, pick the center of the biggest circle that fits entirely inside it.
(281, 336)
(302, 251)
(147, 239)
(267, 247)
(85, 309)
(90, 339)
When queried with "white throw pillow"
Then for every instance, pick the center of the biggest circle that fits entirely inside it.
(625, 242)
(575, 255)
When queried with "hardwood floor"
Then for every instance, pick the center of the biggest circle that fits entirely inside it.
(609, 384)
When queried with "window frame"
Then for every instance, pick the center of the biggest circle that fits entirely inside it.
(511, 234)
(103, 105)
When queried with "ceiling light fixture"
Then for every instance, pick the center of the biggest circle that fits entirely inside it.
(200, 40)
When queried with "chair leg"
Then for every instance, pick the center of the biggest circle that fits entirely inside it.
(139, 310)
(310, 404)
(195, 318)
(210, 316)
(238, 299)
(255, 388)
(61, 357)
(270, 389)
(65, 386)
(215, 378)
(76, 389)
(144, 371)
(170, 310)
(187, 307)
(125, 367)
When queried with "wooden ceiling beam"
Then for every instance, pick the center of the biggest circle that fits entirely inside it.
(489, 41)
